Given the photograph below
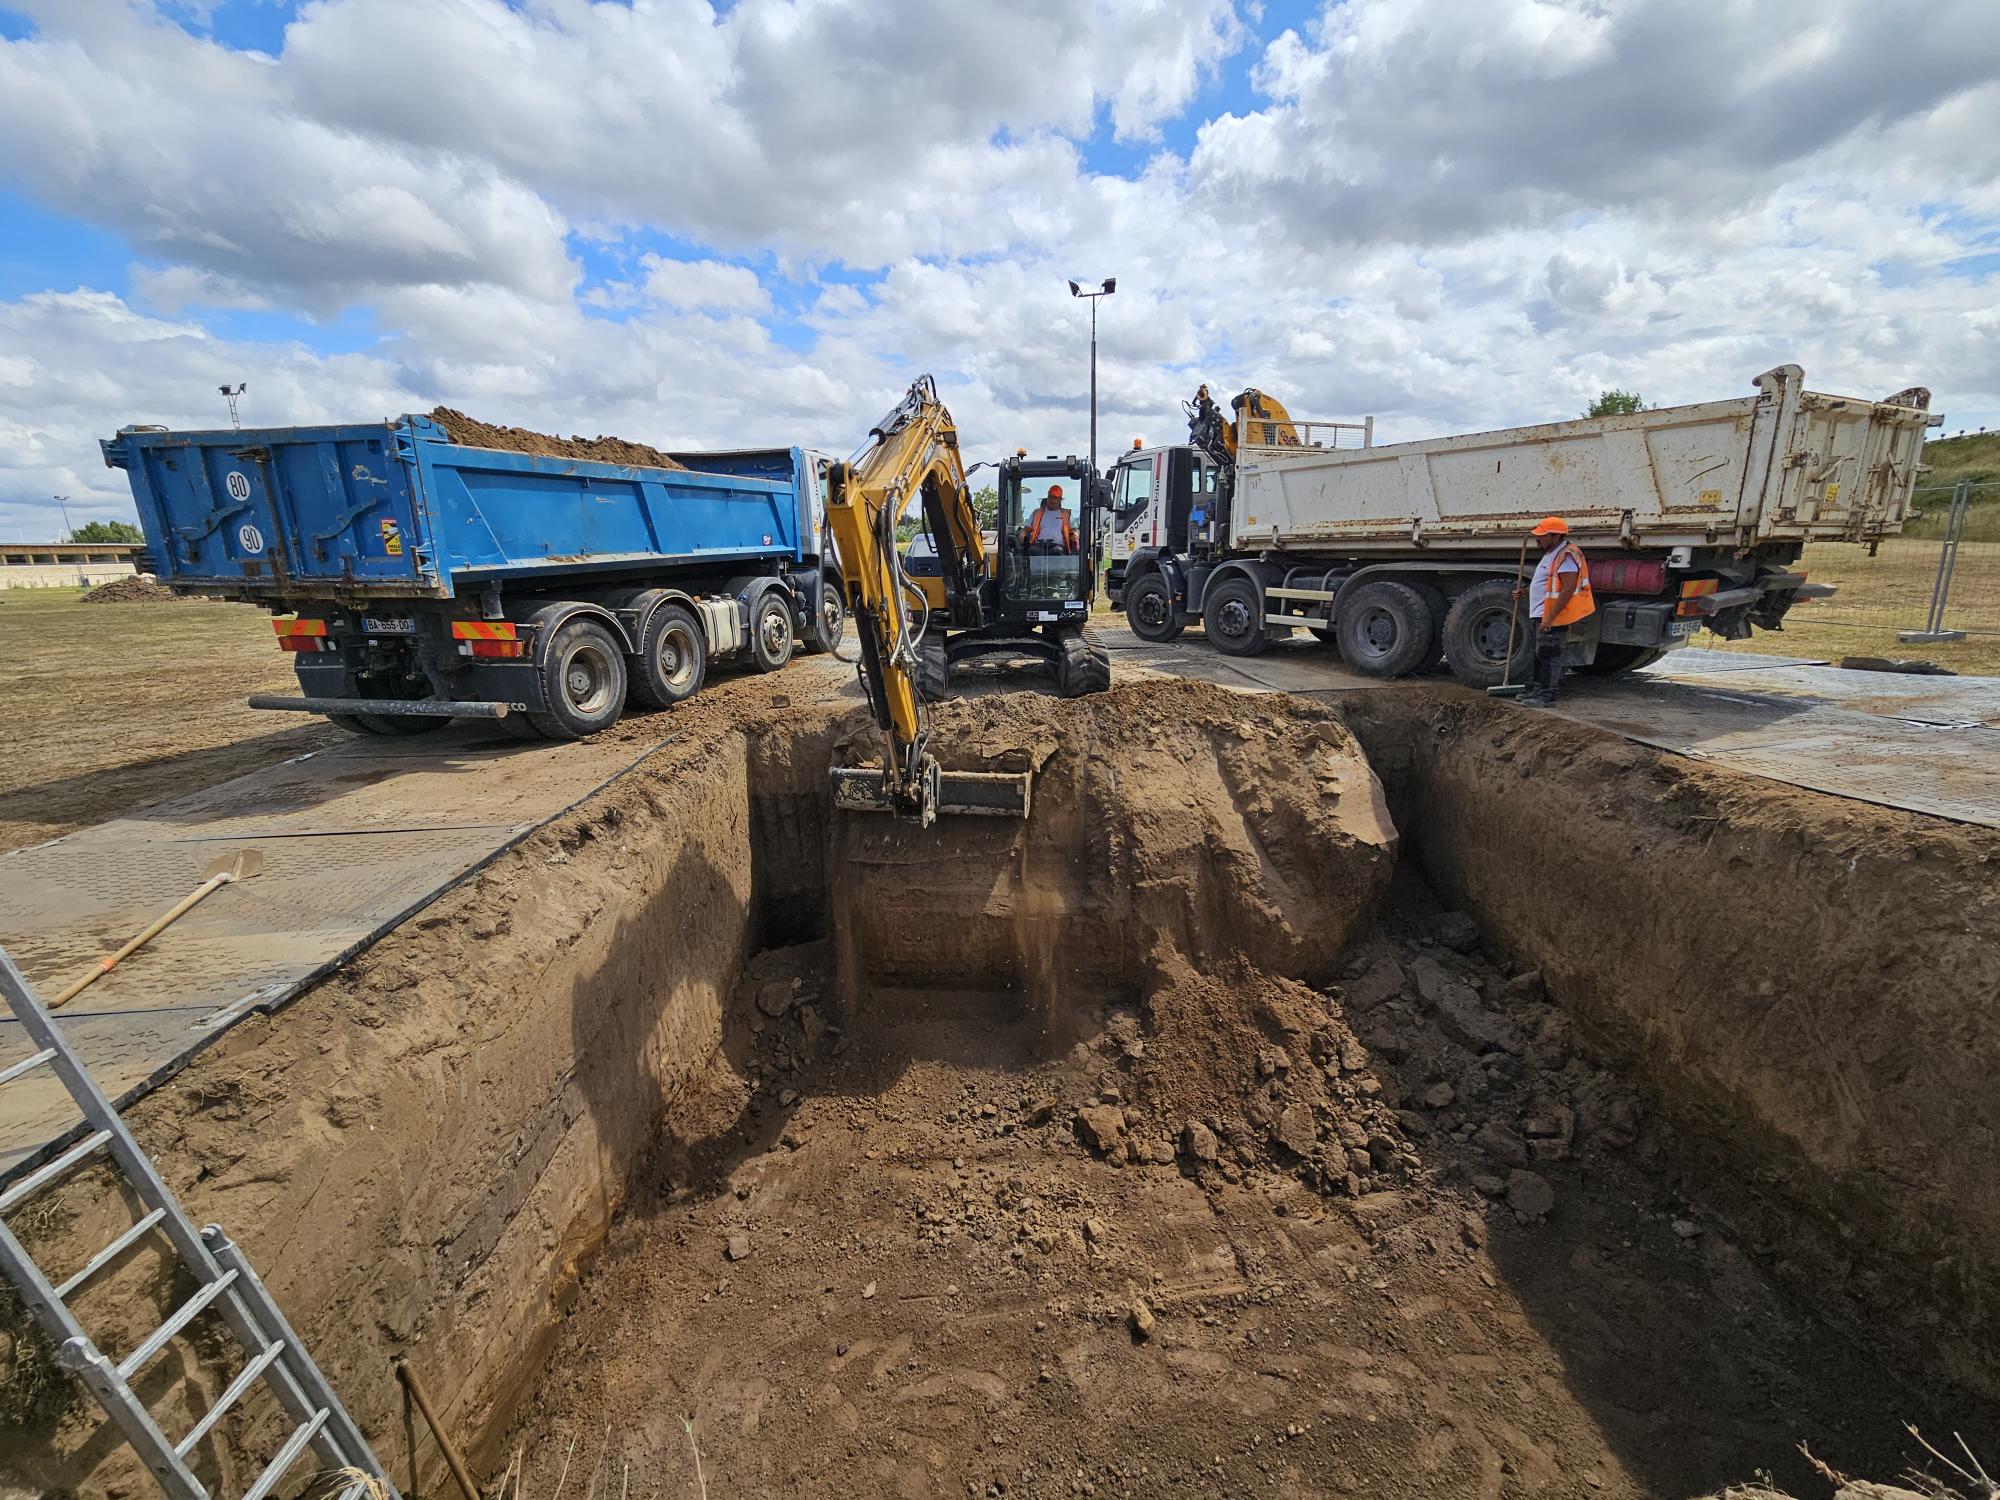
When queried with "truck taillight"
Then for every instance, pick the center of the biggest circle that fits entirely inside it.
(1692, 590)
(295, 634)
(488, 638)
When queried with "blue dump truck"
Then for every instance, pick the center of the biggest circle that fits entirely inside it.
(416, 579)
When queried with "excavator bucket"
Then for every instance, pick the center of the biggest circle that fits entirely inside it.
(988, 794)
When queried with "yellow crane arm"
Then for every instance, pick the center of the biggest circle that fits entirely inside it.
(912, 455)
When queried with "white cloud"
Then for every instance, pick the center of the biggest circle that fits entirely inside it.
(1447, 214)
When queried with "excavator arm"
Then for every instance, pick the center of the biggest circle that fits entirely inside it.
(911, 455)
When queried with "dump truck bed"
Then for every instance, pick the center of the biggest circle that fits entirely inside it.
(396, 509)
(1786, 464)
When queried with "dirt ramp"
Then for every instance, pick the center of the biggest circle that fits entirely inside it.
(1168, 817)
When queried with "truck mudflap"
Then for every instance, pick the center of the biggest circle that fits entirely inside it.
(439, 708)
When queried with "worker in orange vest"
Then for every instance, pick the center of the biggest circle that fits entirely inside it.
(1048, 531)
(1559, 597)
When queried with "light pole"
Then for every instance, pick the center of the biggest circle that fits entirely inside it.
(1110, 285)
(69, 531)
(230, 394)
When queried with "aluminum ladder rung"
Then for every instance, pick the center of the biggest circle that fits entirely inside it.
(185, 1314)
(27, 1065)
(225, 1281)
(287, 1456)
(34, 1181)
(111, 1252)
(229, 1397)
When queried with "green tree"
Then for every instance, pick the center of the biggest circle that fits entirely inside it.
(1616, 403)
(107, 531)
(986, 505)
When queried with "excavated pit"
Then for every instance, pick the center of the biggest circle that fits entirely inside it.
(1629, 1128)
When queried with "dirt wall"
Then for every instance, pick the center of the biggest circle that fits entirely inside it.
(1247, 829)
(418, 1152)
(1804, 983)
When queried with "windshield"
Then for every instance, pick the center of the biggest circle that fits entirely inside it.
(1044, 543)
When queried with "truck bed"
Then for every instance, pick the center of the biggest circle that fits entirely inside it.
(395, 509)
(1784, 465)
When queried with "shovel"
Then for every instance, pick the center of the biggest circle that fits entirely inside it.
(224, 871)
(1508, 689)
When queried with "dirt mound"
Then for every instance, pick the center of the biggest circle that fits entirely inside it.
(139, 588)
(610, 450)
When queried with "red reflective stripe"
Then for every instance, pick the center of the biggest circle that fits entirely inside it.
(288, 627)
(483, 630)
(498, 648)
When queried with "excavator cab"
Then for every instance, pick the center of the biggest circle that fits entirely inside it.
(1047, 527)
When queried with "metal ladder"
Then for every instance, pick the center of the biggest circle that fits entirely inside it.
(224, 1282)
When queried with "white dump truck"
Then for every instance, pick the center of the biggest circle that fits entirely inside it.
(1692, 516)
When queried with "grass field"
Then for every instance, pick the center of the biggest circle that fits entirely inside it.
(107, 707)
(1975, 458)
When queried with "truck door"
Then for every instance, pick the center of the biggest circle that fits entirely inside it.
(1135, 524)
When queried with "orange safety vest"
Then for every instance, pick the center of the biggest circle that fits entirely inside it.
(1034, 529)
(1583, 603)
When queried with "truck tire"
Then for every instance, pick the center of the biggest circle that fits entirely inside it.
(933, 669)
(1085, 666)
(352, 723)
(673, 660)
(1385, 629)
(583, 681)
(1149, 609)
(832, 622)
(1612, 659)
(1475, 635)
(1233, 617)
(771, 633)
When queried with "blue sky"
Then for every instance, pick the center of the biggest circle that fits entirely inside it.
(689, 225)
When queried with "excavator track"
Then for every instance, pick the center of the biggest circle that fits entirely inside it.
(1085, 666)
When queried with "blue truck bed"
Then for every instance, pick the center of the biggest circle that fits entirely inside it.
(416, 580)
(396, 509)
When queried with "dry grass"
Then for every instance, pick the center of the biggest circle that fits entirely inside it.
(112, 706)
(1883, 594)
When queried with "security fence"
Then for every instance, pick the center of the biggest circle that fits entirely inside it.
(1941, 586)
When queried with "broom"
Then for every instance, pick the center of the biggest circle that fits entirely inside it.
(1509, 688)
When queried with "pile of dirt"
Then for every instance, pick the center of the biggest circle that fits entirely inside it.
(610, 450)
(139, 588)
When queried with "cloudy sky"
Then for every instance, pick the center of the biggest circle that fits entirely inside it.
(694, 223)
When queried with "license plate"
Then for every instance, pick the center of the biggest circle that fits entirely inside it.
(1679, 629)
(388, 625)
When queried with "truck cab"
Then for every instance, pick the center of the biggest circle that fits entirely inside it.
(1162, 500)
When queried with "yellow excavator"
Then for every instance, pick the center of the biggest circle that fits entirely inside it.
(1028, 594)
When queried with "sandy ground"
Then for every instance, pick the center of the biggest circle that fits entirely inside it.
(916, 1260)
(107, 707)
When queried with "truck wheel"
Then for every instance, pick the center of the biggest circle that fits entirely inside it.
(1620, 658)
(583, 681)
(1233, 616)
(1149, 609)
(674, 659)
(1085, 666)
(832, 624)
(1385, 629)
(771, 633)
(352, 723)
(1475, 635)
(933, 669)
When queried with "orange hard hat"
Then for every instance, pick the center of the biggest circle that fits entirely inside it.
(1551, 526)
(1055, 492)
